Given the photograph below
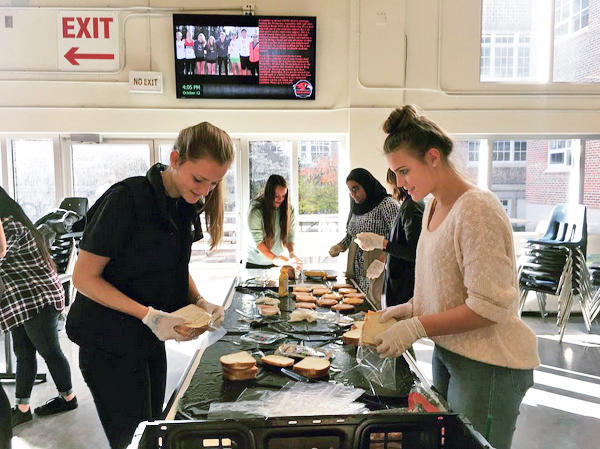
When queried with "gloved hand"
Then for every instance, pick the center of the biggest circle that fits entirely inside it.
(375, 269)
(398, 338)
(163, 323)
(296, 261)
(217, 313)
(368, 241)
(335, 250)
(280, 261)
(400, 312)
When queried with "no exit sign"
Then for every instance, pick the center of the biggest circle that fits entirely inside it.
(88, 41)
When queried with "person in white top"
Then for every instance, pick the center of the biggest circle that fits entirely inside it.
(466, 292)
(244, 46)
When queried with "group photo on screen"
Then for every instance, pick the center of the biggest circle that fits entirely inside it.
(216, 50)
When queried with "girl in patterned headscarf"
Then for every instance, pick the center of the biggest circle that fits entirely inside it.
(372, 210)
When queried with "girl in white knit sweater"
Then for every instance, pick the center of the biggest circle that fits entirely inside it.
(466, 292)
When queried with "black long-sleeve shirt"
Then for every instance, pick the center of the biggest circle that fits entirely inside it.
(402, 249)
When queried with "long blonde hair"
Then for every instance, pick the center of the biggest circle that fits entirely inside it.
(205, 140)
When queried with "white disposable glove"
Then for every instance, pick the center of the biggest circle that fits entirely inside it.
(375, 269)
(162, 324)
(399, 312)
(280, 261)
(368, 241)
(217, 312)
(296, 261)
(398, 338)
(335, 250)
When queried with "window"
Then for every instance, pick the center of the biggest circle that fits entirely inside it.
(570, 16)
(501, 150)
(33, 176)
(505, 56)
(509, 151)
(559, 153)
(268, 158)
(473, 150)
(517, 34)
(318, 186)
(98, 166)
(520, 151)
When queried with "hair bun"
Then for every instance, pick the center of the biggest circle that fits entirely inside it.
(400, 118)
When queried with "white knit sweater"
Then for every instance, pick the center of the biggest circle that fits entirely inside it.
(469, 259)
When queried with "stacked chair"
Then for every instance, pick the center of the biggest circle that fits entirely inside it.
(555, 264)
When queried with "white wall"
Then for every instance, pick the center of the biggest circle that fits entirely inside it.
(362, 47)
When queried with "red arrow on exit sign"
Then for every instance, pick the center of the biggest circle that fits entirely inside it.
(72, 56)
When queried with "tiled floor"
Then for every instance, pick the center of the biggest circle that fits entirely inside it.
(561, 411)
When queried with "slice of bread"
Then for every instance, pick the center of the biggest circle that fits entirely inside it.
(355, 295)
(338, 286)
(358, 324)
(373, 327)
(313, 367)
(267, 310)
(343, 307)
(345, 290)
(306, 298)
(320, 291)
(305, 305)
(353, 301)
(326, 302)
(278, 360)
(246, 374)
(351, 337)
(238, 360)
(195, 316)
(332, 296)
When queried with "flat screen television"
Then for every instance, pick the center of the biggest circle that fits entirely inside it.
(230, 56)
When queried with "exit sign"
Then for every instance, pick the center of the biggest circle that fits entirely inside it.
(88, 41)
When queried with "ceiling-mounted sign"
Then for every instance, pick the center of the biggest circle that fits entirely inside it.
(145, 82)
(88, 41)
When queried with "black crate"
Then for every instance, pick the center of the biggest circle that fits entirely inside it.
(383, 431)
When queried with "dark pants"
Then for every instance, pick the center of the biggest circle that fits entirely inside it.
(126, 390)
(222, 62)
(39, 333)
(5, 423)
(254, 265)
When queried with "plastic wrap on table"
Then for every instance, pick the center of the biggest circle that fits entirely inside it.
(207, 384)
(294, 399)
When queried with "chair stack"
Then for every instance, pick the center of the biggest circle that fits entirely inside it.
(556, 265)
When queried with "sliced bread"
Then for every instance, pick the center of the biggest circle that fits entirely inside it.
(305, 305)
(246, 374)
(267, 310)
(352, 300)
(343, 307)
(373, 327)
(238, 360)
(326, 302)
(351, 337)
(313, 367)
(195, 316)
(278, 360)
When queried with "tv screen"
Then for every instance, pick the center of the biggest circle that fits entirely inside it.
(227, 56)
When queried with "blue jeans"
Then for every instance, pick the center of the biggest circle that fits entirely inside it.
(487, 395)
(39, 333)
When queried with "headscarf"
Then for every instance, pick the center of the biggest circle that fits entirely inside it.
(375, 191)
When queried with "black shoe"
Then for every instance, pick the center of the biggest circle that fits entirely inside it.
(19, 417)
(56, 405)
